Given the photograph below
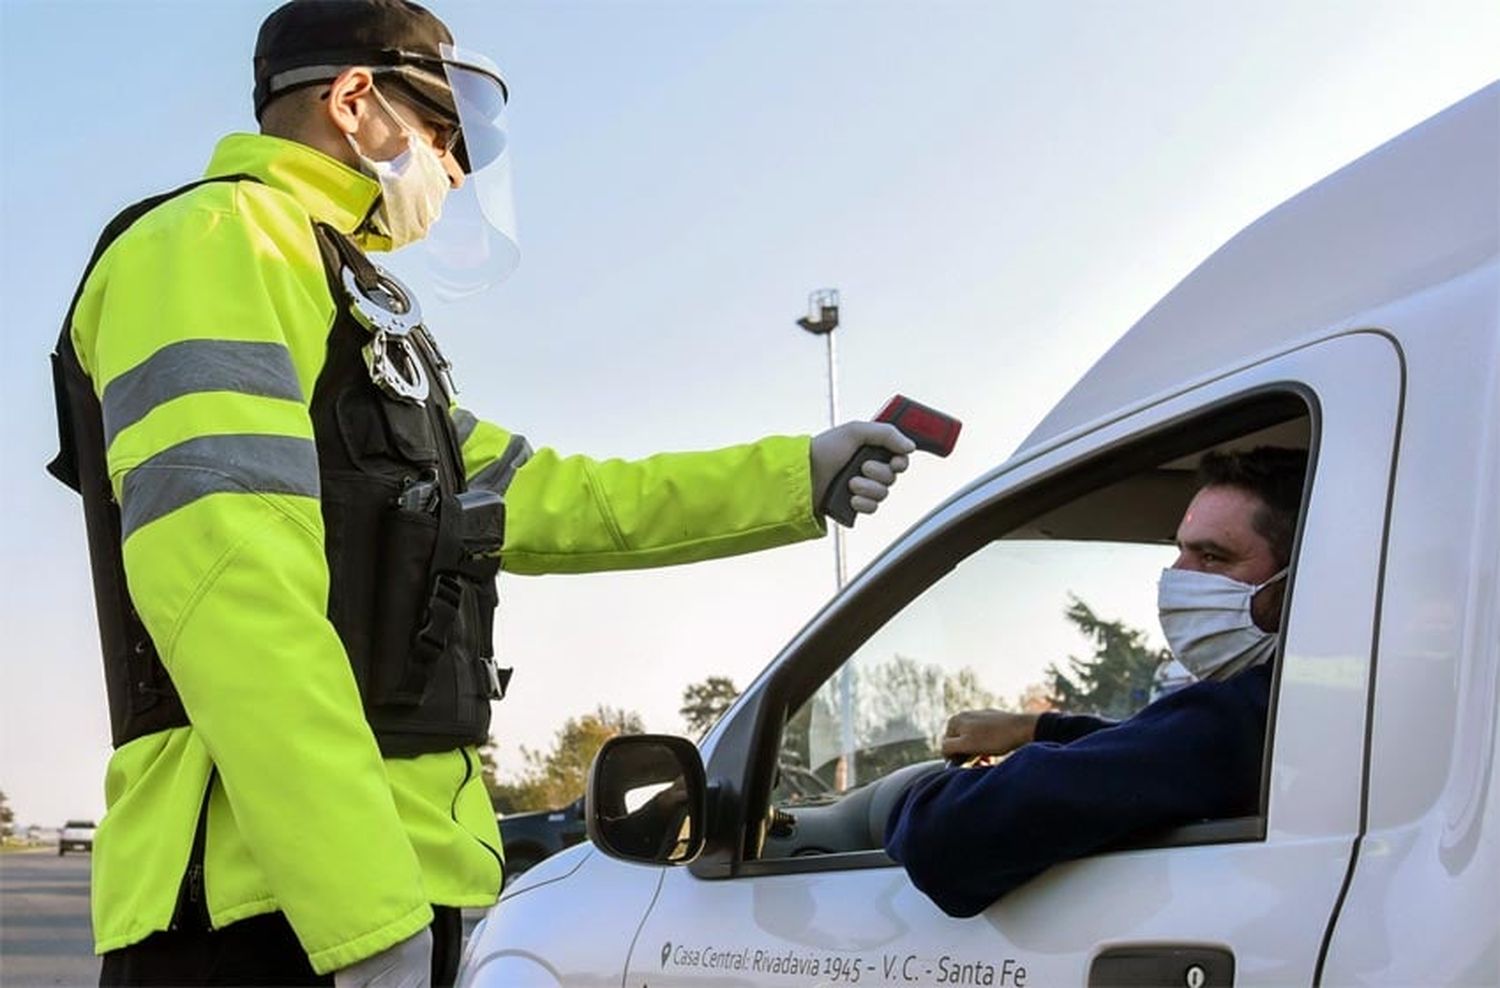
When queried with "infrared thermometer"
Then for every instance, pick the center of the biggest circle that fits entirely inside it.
(932, 431)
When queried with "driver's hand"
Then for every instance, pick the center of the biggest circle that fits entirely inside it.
(987, 732)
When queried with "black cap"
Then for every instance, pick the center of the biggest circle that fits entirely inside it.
(305, 35)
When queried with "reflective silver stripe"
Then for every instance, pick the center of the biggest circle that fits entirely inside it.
(498, 475)
(464, 421)
(207, 465)
(194, 367)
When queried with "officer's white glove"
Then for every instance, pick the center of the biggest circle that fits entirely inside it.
(834, 448)
(406, 965)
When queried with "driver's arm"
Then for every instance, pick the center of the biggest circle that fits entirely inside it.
(969, 836)
(1063, 728)
(999, 732)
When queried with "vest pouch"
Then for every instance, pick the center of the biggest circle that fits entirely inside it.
(483, 533)
(409, 593)
(410, 429)
(383, 435)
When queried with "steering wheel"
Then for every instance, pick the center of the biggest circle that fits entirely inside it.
(885, 791)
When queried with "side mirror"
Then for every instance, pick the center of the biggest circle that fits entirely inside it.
(647, 799)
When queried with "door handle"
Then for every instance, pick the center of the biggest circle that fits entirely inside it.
(1162, 966)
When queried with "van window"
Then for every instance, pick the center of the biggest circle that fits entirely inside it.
(1023, 624)
(1054, 610)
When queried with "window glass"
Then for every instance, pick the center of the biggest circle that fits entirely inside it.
(1016, 625)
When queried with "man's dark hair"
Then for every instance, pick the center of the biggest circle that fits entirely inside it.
(1275, 475)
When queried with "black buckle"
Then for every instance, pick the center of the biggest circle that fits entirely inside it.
(442, 611)
(497, 678)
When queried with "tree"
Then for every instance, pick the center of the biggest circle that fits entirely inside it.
(704, 703)
(557, 776)
(1116, 680)
(1035, 699)
(962, 691)
(7, 815)
(901, 709)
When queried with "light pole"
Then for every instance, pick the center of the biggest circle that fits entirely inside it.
(821, 320)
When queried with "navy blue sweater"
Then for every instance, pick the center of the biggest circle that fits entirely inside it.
(968, 836)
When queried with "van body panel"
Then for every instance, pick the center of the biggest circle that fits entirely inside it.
(551, 869)
(1425, 893)
(547, 933)
(1050, 929)
(1440, 588)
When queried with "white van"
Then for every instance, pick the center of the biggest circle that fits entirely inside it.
(1361, 321)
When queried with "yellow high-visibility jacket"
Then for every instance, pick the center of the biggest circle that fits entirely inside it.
(227, 570)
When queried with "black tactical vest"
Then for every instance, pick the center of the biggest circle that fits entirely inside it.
(412, 554)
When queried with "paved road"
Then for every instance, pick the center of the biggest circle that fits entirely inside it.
(45, 935)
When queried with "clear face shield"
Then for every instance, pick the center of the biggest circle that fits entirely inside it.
(474, 245)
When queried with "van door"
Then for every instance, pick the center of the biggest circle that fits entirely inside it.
(978, 603)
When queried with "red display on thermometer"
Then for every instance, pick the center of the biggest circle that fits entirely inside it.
(933, 432)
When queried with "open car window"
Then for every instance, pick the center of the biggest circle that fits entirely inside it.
(1055, 609)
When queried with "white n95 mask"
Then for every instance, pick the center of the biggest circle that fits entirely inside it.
(413, 184)
(1206, 618)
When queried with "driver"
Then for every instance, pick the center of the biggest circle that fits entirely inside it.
(1075, 784)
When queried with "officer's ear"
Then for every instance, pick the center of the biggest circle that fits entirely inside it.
(346, 105)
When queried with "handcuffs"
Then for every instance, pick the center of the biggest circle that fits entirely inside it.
(391, 315)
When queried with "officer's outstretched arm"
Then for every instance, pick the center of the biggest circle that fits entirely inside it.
(574, 514)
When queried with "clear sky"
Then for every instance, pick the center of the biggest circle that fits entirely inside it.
(998, 188)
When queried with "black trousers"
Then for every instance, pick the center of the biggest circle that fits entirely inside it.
(259, 951)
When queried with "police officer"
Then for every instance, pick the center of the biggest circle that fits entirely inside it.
(295, 527)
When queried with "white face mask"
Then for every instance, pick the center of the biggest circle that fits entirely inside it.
(1206, 618)
(413, 184)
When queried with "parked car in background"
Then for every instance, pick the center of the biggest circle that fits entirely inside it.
(76, 834)
(530, 837)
